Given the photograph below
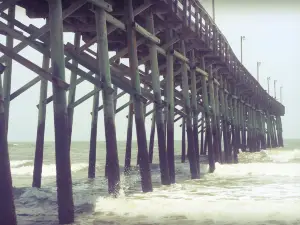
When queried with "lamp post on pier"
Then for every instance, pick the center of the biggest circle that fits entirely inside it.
(275, 89)
(268, 79)
(213, 10)
(257, 67)
(281, 94)
(243, 38)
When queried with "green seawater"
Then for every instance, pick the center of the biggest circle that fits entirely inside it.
(262, 189)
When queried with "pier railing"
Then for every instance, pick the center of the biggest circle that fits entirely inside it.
(196, 18)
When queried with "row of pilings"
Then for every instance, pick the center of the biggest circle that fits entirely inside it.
(218, 117)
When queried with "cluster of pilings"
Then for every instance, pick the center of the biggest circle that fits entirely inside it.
(188, 64)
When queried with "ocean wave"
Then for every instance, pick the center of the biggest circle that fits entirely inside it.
(268, 169)
(19, 163)
(286, 156)
(197, 211)
(48, 170)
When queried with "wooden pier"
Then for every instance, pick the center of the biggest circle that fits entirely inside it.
(221, 106)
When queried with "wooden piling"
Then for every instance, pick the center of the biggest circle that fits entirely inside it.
(8, 70)
(72, 91)
(39, 146)
(183, 145)
(275, 131)
(194, 110)
(159, 114)
(224, 120)
(138, 107)
(62, 147)
(129, 139)
(279, 131)
(231, 130)
(208, 138)
(152, 135)
(113, 170)
(262, 131)
(202, 135)
(217, 112)
(7, 206)
(170, 106)
(93, 135)
(269, 144)
(243, 118)
(213, 116)
(187, 107)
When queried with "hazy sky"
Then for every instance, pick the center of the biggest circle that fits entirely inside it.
(272, 31)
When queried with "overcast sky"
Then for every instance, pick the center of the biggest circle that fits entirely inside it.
(272, 32)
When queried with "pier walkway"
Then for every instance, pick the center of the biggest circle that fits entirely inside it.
(191, 75)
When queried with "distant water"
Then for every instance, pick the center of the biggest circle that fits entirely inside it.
(263, 189)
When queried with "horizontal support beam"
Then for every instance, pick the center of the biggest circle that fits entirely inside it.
(114, 21)
(6, 4)
(84, 98)
(118, 96)
(124, 106)
(101, 4)
(146, 33)
(50, 98)
(24, 88)
(44, 29)
(38, 70)
(91, 63)
(216, 82)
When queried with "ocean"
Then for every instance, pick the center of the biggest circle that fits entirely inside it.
(263, 189)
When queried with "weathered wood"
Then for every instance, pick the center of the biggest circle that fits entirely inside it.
(39, 145)
(183, 145)
(279, 131)
(129, 139)
(62, 145)
(138, 108)
(202, 135)
(6, 4)
(72, 8)
(170, 108)
(194, 108)
(25, 62)
(72, 90)
(94, 130)
(113, 171)
(159, 116)
(208, 138)
(187, 107)
(8, 70)
(152, 135)
(7, 206)
(212, 103)
(225, 122)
